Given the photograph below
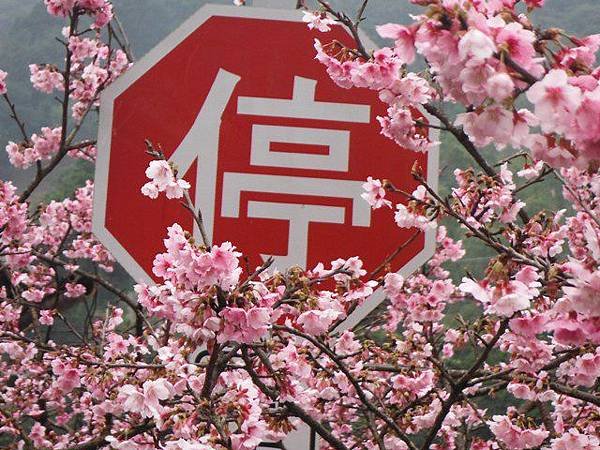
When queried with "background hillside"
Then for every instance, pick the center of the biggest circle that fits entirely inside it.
(27, 35)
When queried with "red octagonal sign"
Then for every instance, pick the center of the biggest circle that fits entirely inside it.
(275, 152)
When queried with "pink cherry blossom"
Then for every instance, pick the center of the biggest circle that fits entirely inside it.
(514, 437)
(555, 100)
(244, 326)
(573, 439)
(404, 40)
(92, 4)
(133, 399)
(59, 8)
(475, 44)
(103, 15)
(494, 124)
(163, 180)
(318, 21)
(400, 126)
(160, 172)
(379, 73)
(347, 344)
(3, 76)
(317, 322)
(408, 90)
(586, 117)
(518, 42)
(586, 286)
(147, 401)
(503, 300)
(47, 317)
(74, 290)
(500, 87)
(531, 171)
(44, 147)
(38, 434)
(154, 391)
(46, 78)
(375, 194)
(150, 190)
(535, 3)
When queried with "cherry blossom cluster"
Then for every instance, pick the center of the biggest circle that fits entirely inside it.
(94, 66)
(41, 147)
(383, 73)
(91, 66)
(163, 179)
(482, 55)
(101, 11)
(60, 235)
(501, 353)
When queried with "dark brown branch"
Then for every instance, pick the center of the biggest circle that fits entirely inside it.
(42, 173)
(350, 24)
(197, 213)
(357, 387)
(210, 375)
(391, 257)
(15, 117)
(80, 145)
(292, 407)
(525, 75)
(105, 284)
(456, 391)
(499, 247)
(101, 441)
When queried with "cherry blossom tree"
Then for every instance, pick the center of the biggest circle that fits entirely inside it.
(414, 377)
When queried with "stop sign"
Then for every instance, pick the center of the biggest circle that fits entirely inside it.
(275, 152)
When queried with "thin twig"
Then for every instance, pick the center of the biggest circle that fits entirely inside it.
(15, 117)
